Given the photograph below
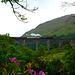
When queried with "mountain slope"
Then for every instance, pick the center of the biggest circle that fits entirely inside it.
(60, 26)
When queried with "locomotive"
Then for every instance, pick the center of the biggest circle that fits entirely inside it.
(43, 37)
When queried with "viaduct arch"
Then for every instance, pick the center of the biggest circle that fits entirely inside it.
(24, 41)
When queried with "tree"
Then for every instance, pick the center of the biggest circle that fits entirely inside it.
(19, 4)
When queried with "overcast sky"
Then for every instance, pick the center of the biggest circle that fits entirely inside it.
(48, 10)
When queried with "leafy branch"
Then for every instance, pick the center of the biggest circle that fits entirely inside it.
(20, 17)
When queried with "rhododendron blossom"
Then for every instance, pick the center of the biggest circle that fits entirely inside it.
(30, 70)
(29, 65)
(13, 59)
(17, 64)
(41, 73)
(36, 73)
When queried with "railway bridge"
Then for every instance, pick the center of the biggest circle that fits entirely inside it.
(25, 40)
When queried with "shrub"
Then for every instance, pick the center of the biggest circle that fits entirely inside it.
(69, 59)
(53, 66)
(41, 51)
(67, 47)
(29, 53)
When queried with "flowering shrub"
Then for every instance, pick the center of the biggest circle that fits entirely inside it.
(13, 60)
(40, 72)
(28, 65)
(13, 69)
(17, 64)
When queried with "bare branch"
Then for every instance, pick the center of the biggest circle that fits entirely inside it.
(67, 4)
(31, 10)
(16, 8)
(12, 6)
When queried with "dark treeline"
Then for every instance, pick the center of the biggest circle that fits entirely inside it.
(70, 35)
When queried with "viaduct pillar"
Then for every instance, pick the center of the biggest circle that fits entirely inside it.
(36, 45)
(60, 43)
(71, 42)
(23, 43)
(48, 45)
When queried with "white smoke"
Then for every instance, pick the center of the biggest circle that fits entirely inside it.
(33, 34)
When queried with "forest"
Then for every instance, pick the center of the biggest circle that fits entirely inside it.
(22, 60)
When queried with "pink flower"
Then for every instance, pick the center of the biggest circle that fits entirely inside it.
(41, 73)
(30, 70)
(10, 59)
(17, 63)
(36, 73)
(13, 59)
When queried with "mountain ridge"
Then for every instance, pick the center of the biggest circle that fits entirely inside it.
(64, 25)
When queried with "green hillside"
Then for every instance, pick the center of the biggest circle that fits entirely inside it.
(63, 26)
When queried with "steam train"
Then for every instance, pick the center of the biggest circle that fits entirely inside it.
(44, 37)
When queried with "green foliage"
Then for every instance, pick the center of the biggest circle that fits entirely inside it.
(6, 38)
(54, 51)
(43, 44)
(69, 59)
(31, 45)
(3, 56)
(69, 35)
(29, 53)
(73, 47)
(41, 51)
(5, 1)
(67, 47)
(53, 67)
(12, 51)
(5, 41)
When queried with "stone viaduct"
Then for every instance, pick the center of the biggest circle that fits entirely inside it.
(25, 40)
